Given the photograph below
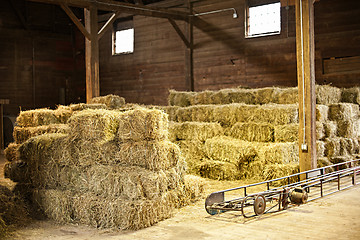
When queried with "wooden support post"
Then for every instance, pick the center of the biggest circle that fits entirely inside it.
(92, 54)
(2, 102)
(305, 47)
(189, 60)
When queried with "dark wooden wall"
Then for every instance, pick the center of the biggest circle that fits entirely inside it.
(224, 58)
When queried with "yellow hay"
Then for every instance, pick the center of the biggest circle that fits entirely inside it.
(286, 133)
(111, 101)
(194, 131)
(218, 170)
(351, 95)
(63, 113)
(322, 113)
(326, 94)
(288, 96)
(253, 132)
(181, 99)
(332, 147)
(343, 112)
(171, 111)
(348, 128)
(21, 134)
(37, 117)
(320, 131)
(320, 149)
(272, 171)
(275, 114)
(193, 153)
(330, 129)
(281, 153)
(85, 106)
(11, 152)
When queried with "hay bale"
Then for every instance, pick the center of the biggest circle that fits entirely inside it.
(276, 114)
(218, 170)
(194, 131)
(11, 152)
(37, 117)
(343, 112)
(320, 149)
(287, 96)
(63, 113)
(22, 134)
(340, 159)
(111, 101)
(286, 133)
(323, 162)
(171, 111)
(193, 153)
(330, 129)
(320, 131)
(253, 132)
(326, 94)
(322, 113)
(142, 124)
(273, 171)
(87, 106)
(351, 95)
(194, 188)
(348, 128)
(280, 153)
(17, 171)
(238, 95)
(332, 147)
(230, 150)
(347, 146)
(178, 98)
(266, 95)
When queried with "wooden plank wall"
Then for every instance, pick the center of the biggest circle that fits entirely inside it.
(223, 57)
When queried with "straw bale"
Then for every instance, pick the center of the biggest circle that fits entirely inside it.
(12, 209)
(111, 101)
(21, 134)
(320, 149)
(332, 147)
(347, 146)
(152, 155)
(194, 188)
(330, 128)
(348, 128)
(272, 171)
(320, 131)
(322, 113)
(276, 114)
(86, 106)
(11, 152)
(281, 153)
(343, 112)
(218, 170)
(238, 95)
(63, 113)
(17, 171)
(231, 150)
(171, 111)
(339, 159)
(266, 95)
(193, 153)
(326, 94)
(201, 98)
(194, 131)
(286, 133)
(288, 96)
(143, 124)
(323, 162)
(37, 117)
(3, 228)
(253, 132)
(228, 115)
(351, 95)
(178, 98)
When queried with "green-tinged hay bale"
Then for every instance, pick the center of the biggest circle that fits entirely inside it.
(347, 146)
(228, 115)
(171, 111)
(273, 171)
(348, 128)
(143, 124)
(276, 114)
(178, 98)
(320, 131)
(94, 125)
(281, 153)
(218, 170)
(37, 117)
(266, 95)
(87, 106)
(288, 96)
(194, 131)
(320, 149)
(201, 98)
(238, 95)
(330, 128)
(21, 134)
(326, 94)
(322, 113)
(351, 95)
(230, 150)
(253, 132)
(12, 208)
(57, 205)
(152, 155)
(63, 113)
(343, 112)
(11, 152)
(332, 147)
(193, 153)
(286, 133)
(17, 171)
(111, 101)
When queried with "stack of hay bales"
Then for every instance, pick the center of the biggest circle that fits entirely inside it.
(260, 130)
(110, 169)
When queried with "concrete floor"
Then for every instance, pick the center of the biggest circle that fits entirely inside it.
(332, 217)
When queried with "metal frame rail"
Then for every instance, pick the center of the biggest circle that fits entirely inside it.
(315, 183)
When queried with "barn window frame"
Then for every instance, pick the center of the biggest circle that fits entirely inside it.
(123, 28)
(269, 7)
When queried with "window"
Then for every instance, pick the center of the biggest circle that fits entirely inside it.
(123, 42)
(263, 19)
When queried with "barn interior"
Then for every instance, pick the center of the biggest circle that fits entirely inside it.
(119, 117)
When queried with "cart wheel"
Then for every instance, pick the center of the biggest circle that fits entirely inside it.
(243, 205)
(259, 205)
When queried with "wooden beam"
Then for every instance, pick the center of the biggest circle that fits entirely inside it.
(75, 20)
(108, 24)
(110, 5)
(189, 54)
(19, 15)
(180, 33)
(305, 47)
(92, 54)
(2, 102)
